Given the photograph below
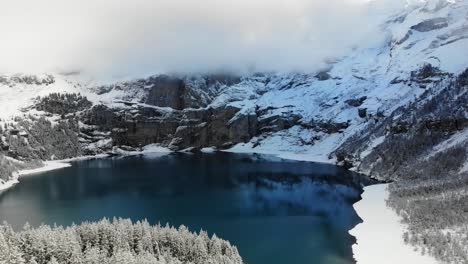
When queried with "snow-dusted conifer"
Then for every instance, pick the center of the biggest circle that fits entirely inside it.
(107, 242)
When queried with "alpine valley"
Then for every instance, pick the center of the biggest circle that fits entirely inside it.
(396, 111)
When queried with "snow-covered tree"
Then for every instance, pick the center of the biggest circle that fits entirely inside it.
(106, 242)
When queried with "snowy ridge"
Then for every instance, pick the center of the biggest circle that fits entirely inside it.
(377, 73)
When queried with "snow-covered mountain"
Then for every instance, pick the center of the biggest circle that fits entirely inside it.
(391, 110)
(306, 115)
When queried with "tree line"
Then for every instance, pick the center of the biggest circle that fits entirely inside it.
(111, 242)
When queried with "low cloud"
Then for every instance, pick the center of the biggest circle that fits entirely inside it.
(108, 38)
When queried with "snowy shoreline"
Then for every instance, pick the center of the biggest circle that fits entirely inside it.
(5, 185)
(380, 236)
(59, 164)
(309, 157)
(48, 166)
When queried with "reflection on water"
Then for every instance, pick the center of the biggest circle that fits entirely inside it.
(275, 211)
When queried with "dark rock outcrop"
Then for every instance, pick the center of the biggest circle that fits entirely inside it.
(356, 102)
(221, 126)
(446, 124)
(277, 122)
(167, 92)
(362, 112)
(427, 74)
(398, 128)
(462, 79)
(344, 160)
(4, 146)
(103, 117)
(177, 129)
(325, 126)
(426, 71)
(323, 76)
(431, 24)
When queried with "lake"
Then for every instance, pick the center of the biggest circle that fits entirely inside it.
(273, 210)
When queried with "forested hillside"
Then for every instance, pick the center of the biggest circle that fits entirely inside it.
(423, 148)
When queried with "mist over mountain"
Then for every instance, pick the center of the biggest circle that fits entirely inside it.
(129, 38)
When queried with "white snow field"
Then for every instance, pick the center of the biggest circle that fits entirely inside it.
(4, 185)
(48, 166)
(380, 236)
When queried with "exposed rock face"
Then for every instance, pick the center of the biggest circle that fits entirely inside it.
(362, 112)
(102, 116)
(431, 24)
(168, 110)
(325, 126)
(356, 102)
(177, 92)
(219, 128)
(323, 76)
(167, 92)
(273, 122)
(178, 129)
(344, 160)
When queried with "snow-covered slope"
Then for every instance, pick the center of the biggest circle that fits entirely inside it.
(362, 87)
(435, 32)
(382, 232)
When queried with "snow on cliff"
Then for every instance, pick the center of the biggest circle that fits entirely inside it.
(370, 81)
(431, 33)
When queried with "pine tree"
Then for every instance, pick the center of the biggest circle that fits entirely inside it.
(96, 243)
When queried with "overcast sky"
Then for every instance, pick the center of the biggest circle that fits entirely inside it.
(140, 37)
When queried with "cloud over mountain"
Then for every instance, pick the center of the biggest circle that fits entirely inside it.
(138, 37)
